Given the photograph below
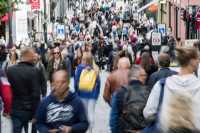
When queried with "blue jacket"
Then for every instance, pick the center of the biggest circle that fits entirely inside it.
(51, 114)
(90, 95)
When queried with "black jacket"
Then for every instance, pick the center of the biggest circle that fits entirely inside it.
(27, 85)
(156, 76)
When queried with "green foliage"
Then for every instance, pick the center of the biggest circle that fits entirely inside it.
(4, 5)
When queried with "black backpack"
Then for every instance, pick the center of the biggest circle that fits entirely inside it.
(134, 101)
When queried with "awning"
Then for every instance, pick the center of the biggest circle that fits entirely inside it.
(147, 5)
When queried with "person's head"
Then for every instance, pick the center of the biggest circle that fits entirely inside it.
(87, 58)
(188, 58)
(123, 63)
(28, 54)
(137, 73)
(164, 60)
(197, 45)
(145, 60)
(60, 83)
(56, 53)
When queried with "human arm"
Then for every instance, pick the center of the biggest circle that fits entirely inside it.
(41, 119)
(76, 78)
(43, 81)
(98, 85)
(107, 91)
(151, 107)
(115, 113)
(83, 123)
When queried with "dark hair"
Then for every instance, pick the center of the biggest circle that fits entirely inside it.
(16, 56)
(184, 55)
(145, 61)
(197, 44)
(164, 60)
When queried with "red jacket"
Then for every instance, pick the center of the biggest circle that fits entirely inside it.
(6, 94)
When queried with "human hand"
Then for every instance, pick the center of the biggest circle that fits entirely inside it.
(53, 131)
(33, 120)
(6, 115)
(66, 129)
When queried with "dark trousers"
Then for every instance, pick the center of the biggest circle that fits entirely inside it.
(0, 123)
(20, 120)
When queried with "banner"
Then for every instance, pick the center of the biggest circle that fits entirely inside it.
(156, 38)
(35, 4)
(21, 31)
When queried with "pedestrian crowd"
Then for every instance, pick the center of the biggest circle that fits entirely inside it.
(145, 95)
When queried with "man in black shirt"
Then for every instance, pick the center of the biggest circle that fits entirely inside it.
(26, 84)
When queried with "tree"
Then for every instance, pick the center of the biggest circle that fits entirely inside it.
(4, 6)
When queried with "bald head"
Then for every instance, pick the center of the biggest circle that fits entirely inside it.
(164, 60)
(124, 63)
(60, 84)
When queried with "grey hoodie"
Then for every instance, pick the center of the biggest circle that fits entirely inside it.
(186, 85)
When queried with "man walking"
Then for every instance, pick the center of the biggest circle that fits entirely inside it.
(116, 79)
(62, 111)
(25, 80)
(128, 103)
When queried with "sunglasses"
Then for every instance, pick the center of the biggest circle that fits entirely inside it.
(56, 53)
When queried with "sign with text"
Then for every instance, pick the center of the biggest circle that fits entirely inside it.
(162, 29)
(156, 38)
(35, 4)
(21, 31)
(60, 32)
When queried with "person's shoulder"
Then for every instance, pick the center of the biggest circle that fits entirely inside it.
(47, 100)
(122, 90)
(75, 99)
(13, 67)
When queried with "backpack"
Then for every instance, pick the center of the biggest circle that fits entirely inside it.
(87, 80)
(132, 112)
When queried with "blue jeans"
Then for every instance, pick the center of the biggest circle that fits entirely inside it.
(20, 120)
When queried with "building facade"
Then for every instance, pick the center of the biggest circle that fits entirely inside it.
(172, 13)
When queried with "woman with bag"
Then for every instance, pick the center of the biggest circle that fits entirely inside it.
(164, 104)
(87, 85)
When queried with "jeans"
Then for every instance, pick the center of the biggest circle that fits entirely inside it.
(20, 120)
(89, 105)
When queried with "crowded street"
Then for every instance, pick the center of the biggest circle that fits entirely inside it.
(99, 66)
(101, 113)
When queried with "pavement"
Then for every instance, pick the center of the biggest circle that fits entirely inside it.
(101, 114)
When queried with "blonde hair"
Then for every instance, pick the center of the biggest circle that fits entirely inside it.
(87, 58)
